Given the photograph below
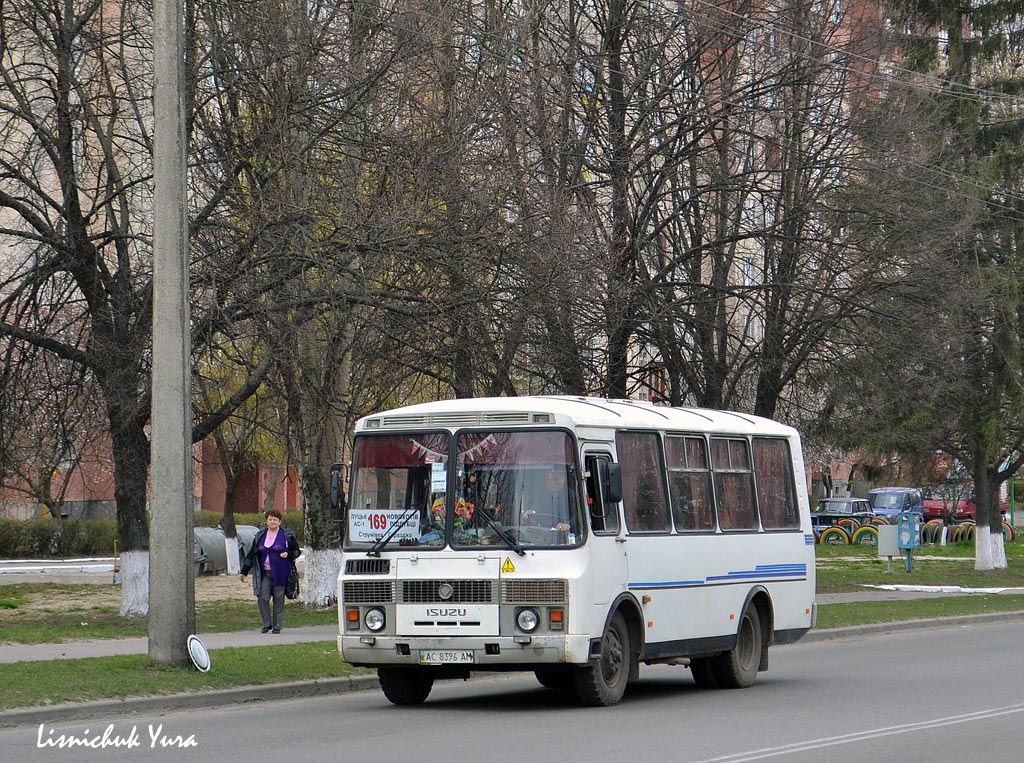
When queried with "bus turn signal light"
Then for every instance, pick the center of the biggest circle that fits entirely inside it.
(352, 618)
(556, 619)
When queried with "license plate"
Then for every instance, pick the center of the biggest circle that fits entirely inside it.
(445, 657)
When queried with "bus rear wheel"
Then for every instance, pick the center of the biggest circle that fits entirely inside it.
(405, 686)
(703, 671)
(737, 668)
(603, 682)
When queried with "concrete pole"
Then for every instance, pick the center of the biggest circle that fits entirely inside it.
(172, 609)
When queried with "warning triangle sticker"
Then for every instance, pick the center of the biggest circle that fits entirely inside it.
(508, 566)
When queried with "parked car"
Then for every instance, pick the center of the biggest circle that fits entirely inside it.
(828, 511)
(849, 507)
(889, 501)
(938, 508)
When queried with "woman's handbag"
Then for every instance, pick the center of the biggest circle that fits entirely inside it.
(291, 587)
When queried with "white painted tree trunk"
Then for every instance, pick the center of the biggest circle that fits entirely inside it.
(135, 583)
(982, 548)
(989, 551)
(320, 580)
(231, 549)
(998, 551)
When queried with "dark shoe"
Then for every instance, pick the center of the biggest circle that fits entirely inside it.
(277, 630)
(265, 629)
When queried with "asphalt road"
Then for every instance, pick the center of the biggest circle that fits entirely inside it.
(923, 696)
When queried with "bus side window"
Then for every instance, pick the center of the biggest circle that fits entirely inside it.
(734, 484)
(604, 512)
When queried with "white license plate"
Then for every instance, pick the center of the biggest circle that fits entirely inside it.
(445, 657)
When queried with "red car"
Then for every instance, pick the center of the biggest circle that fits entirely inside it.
(938, 508)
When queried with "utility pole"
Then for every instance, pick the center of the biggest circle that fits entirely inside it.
(172, 606)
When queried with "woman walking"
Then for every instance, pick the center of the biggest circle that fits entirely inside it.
(270, 558)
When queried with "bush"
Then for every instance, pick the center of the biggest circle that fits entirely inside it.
(56, 538)
(64, 538)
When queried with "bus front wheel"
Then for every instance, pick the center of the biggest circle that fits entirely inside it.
(553, 678)
(603, 682)
(405, 686)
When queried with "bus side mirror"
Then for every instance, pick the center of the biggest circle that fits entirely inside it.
(613, 488)
(335, 489)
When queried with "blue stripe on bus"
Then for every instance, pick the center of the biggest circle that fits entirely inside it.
(760, 572)
(809, 539)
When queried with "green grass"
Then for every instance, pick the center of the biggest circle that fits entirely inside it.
(11, 602)
(31, 684)
(865, 612)
(842, 569)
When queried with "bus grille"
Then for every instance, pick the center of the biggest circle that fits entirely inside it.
(368, 592)
(367, 566)
(463, 592)
(533, 591)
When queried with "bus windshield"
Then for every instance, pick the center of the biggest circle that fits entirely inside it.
(511, 489)
(395, 481)
(524, 485)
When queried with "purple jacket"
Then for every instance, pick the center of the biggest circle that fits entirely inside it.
(279, 568)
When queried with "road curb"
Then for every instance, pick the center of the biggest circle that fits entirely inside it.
(129, 706)
(958, 621)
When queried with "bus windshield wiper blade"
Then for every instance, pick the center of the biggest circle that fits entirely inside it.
(504, 534)
(385, 539)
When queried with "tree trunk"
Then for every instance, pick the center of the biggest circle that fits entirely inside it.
(323, 562)
(989, 552)
(131, 466)
(620, 301)
(270, 492)
(230, 533)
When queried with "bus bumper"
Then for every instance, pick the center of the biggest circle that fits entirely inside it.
(487, 653)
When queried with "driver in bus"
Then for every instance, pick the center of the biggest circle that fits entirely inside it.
(549, 508)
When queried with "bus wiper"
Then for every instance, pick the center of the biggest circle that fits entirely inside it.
(385, 539)
(503, 533)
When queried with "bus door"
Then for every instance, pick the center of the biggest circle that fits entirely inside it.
(607, 569)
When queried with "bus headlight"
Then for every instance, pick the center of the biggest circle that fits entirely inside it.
(374, 619)
(528, 620)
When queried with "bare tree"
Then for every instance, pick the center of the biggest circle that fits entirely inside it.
(48, 421)
(75, 202)
(75, 153)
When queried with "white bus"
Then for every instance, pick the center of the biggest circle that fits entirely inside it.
(573, 537)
